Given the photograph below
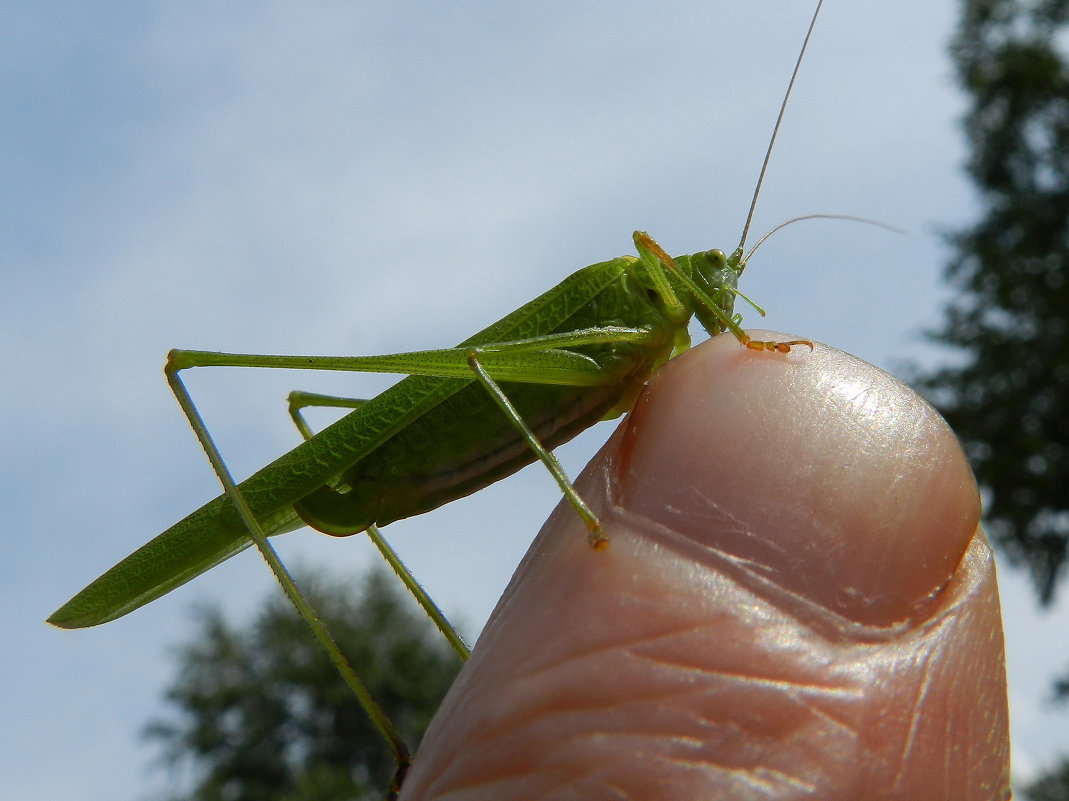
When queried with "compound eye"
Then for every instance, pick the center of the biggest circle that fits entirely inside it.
(717, 255)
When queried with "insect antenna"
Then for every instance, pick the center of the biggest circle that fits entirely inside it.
(785, 223)
(775, 131)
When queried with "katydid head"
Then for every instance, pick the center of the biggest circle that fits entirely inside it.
(712, 280)
(702, 284)
(717, 277)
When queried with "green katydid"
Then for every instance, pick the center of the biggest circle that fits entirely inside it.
(462, 419)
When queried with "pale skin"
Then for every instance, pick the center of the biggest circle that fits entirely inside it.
(796, 603)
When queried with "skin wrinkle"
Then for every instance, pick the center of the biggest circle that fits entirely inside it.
(759, 777)
(799, 701)
(738, 567)
(661, 697)
(797, 698)
(930, 657)
(751, 678)
(502, 775)
(919, 697)
(716, 518)
(598, 776)
(754, 777)
(680, 542)
(748, 679)
(566, 746)
(825, 715)
(842, 726)
(787, 779)
(548, 711)
(546, 668)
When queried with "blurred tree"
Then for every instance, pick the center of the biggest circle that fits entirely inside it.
(261, 714)
(1008, 396)
(1052, 786)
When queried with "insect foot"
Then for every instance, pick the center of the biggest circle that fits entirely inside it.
(781, 347)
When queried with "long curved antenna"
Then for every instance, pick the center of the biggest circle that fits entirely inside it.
(848, 217)
(775, 128)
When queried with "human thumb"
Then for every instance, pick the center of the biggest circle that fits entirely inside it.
(796, 602)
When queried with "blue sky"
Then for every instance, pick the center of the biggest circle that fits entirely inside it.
(364, 178)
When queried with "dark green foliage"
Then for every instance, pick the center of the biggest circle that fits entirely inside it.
(260, 714)
(1051, 786)
(1009, 397)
